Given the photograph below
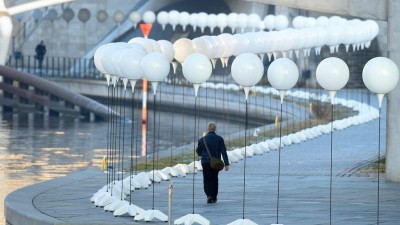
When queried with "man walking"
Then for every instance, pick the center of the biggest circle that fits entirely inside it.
(216, 146)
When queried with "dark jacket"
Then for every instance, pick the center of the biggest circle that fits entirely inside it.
(215, 144)
(40, 51)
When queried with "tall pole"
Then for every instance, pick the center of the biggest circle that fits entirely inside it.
(393, 97)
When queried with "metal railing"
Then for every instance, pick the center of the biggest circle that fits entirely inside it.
(60, 67)
(70, 68)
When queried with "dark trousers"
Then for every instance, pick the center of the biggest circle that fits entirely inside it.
(210, 181)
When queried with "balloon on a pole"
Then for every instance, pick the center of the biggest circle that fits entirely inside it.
(332, 74)
(247, 70)
(155, 68)
(283, 74)
(183, 47)
(380, 76)
(197, 69)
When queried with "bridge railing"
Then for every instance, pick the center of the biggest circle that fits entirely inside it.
(69, 68)
(60, 67)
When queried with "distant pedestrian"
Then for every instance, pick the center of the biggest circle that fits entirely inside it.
(40, 52)
(216, 146)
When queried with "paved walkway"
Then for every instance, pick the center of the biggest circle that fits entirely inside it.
(304, 190)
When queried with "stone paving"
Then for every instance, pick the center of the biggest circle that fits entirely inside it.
(304, 190)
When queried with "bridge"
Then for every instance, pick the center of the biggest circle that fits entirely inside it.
(27, 92)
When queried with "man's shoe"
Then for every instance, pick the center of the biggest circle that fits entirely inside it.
(209, 200)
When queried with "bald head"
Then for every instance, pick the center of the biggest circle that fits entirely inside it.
(212, 127)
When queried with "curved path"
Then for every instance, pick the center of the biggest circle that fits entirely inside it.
(304, 189)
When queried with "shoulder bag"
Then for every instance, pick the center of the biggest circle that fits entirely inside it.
(215, 163)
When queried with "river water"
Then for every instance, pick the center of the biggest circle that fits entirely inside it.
(36, 148)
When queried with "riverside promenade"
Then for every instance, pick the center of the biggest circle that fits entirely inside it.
(304, 189)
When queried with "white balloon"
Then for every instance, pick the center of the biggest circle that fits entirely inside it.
(162, 19)
(197, 68)
(334, 35)
(311, 22)
(247, 69)
(167, 49)
(337, 20)
(281, 22)
(373, 27)
(203, 46)
(135, 17)
(322, 21)
(149, 17)
(255, 42)
(229, 44)
(332, 74)
(242, 21)
(202, 20)
(212, 22)
(144, 42)
(283, 74)
(154, 45)
(299, 22)
(232, 21)
(217, 47)
(380, 75)
(155, 67)
(130, 64)
(184, 19)
(193, 20)
(108, 55)
(115, 59)
(222, 21)
(183, 47)
(137, 46)
(173, 18)
(253, 21)
(99, 54)
(243, 44)
(269, 22)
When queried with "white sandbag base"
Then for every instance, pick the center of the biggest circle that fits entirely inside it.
(190, 219)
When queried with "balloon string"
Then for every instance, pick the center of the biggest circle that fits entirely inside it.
(120, 131)
(137, 135)
(331, 169)
(132, 132)
(245, 157)
(154, 141)
(173, 117)
(183, 121)
(159, 122)
(123, 148)
(112, 141)
(279, 167)
(194, 147)
(379, 158)
(108, 137)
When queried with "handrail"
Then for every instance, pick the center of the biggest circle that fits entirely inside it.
(64, 67)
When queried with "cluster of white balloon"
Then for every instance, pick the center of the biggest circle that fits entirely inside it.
(286, 41)
(235, 21)
(125, 59)
(353, 32)
(146, 58)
